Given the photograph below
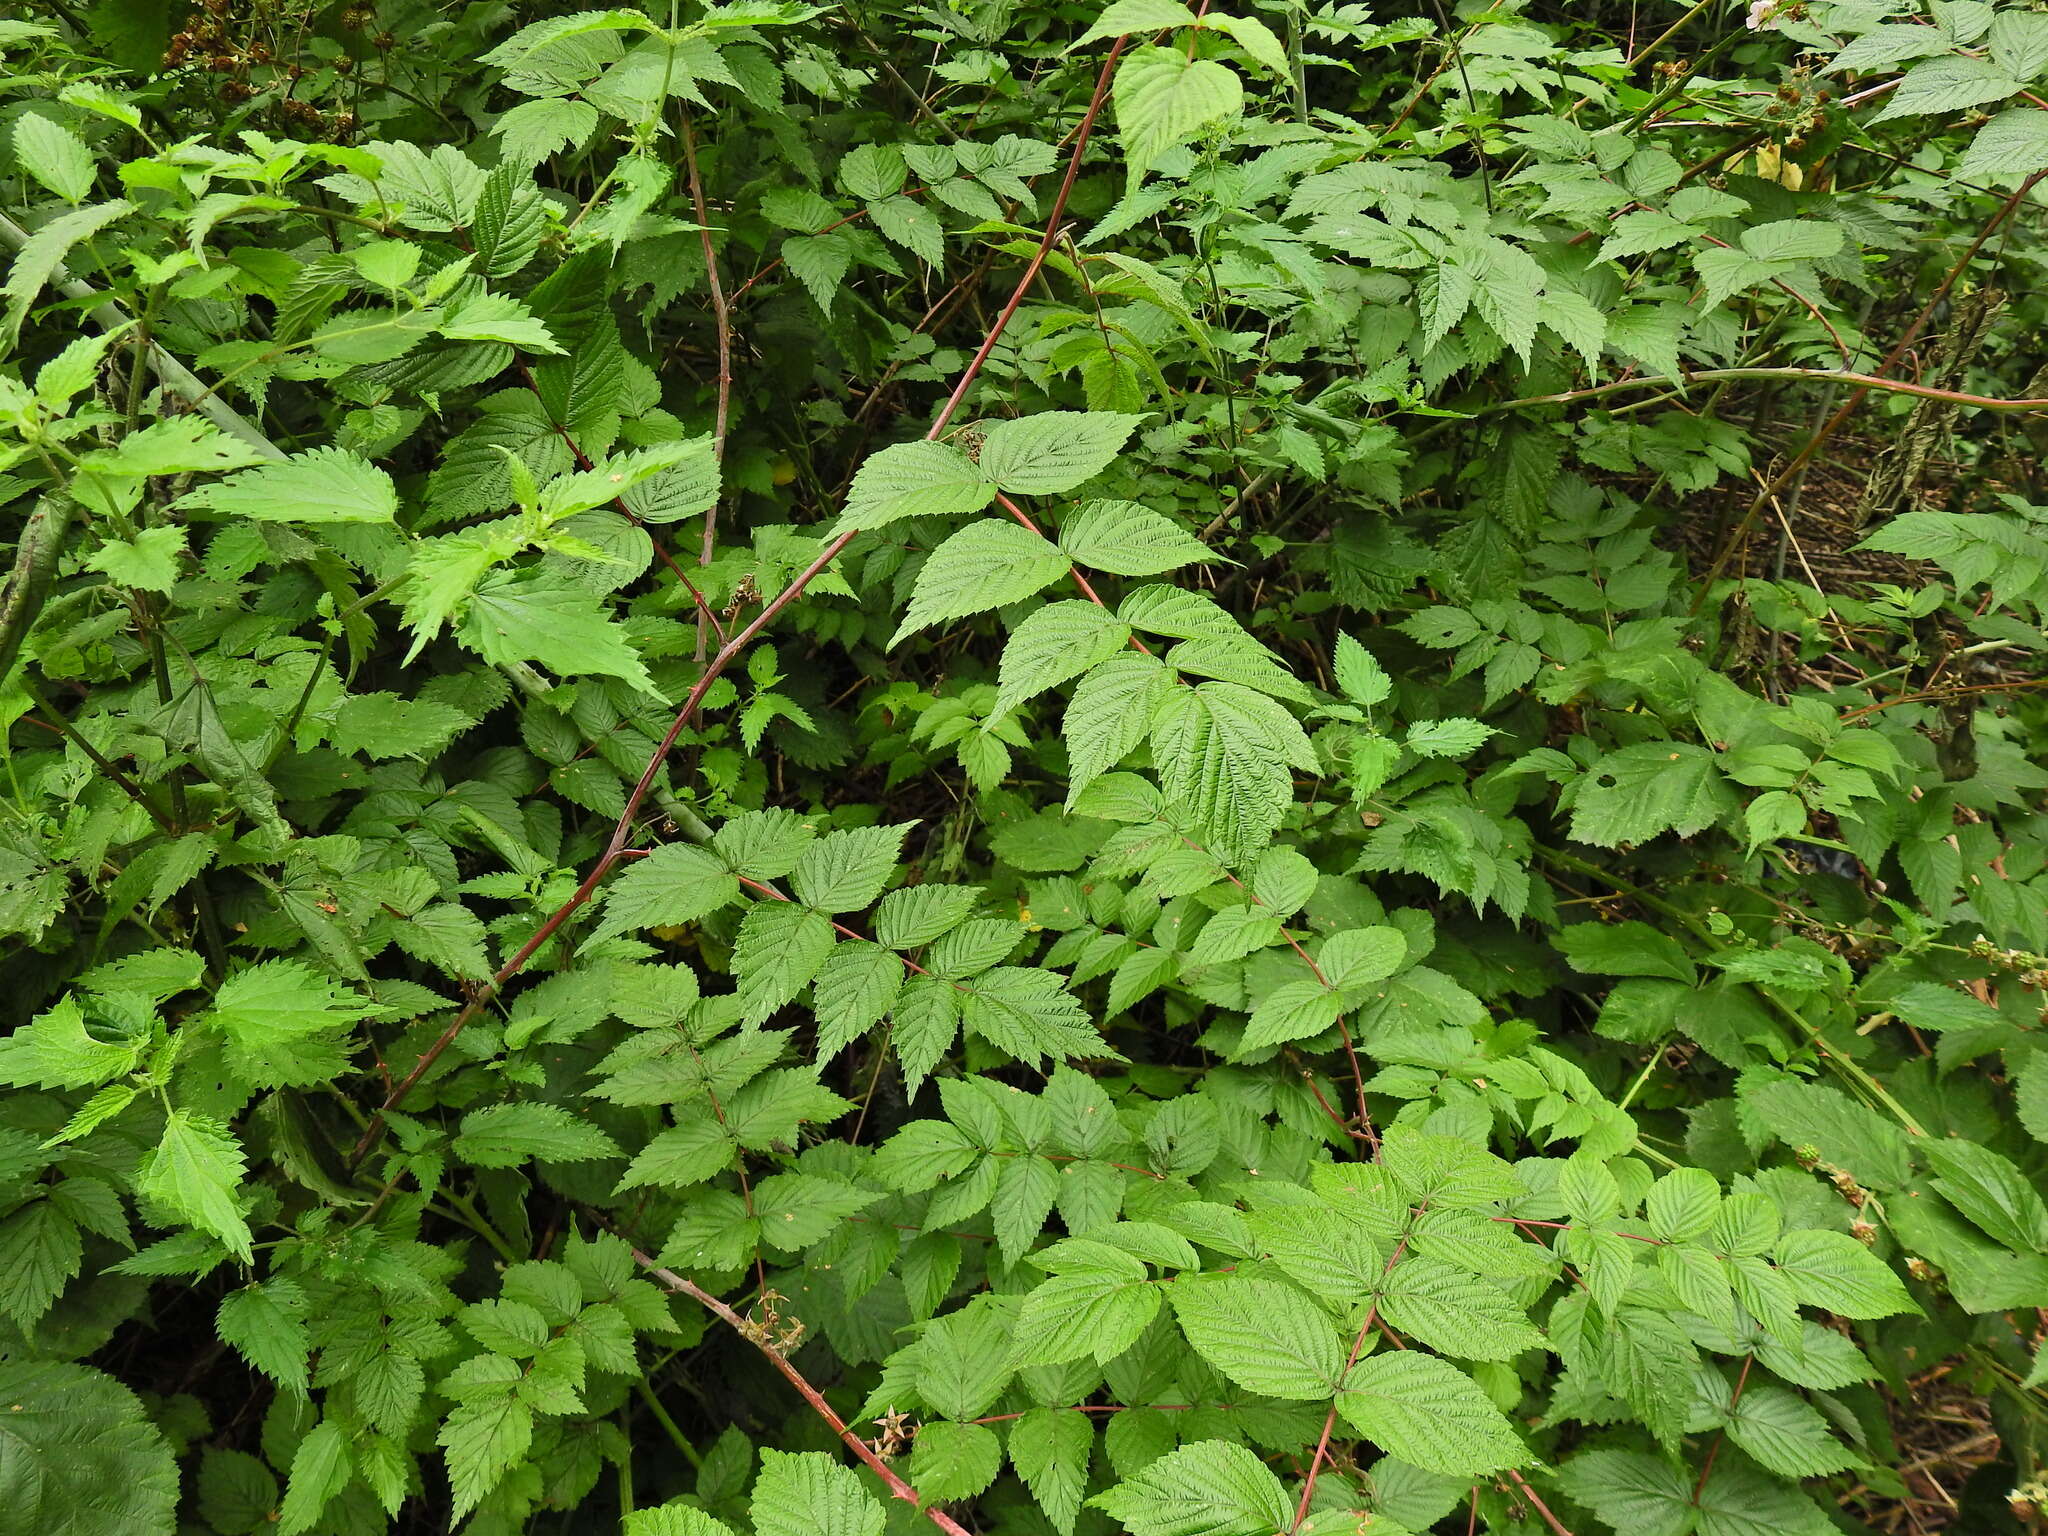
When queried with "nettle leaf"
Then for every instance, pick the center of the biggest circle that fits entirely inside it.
(80, 1454)
(323, 485)
(506, 1135)
(196, 1173)
(918, 479)
(1053, 451)
(985, 565)
(54, 155)
(267, 1323)
(529, 618)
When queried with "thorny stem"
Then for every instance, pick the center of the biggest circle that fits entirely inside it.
(1080, 576)
(721, 659)
(1557, 1526)
(898, 1488)
(1315, 1462)
(1863, 382)
(1707, 1470)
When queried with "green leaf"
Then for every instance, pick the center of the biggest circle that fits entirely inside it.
(483, 1439)
(1948, 84)
(54, 155)
(1267, 1337)
(383, 725)
(55, 1050)
(1224, 754)
(1211, 1488)
(1428, 1412)
(779, 949)
(1632, 795)
(1110, 713)
(1624, 949)
(1361, 958)
(1793, 240)
(530, 618)
(196, 1172)
(954, 1461)
(1142, 16)
(845, 871)
(1452, 738)
(1030, 1014)
(1054, 644)
(40, 1253)
(324, 485)
(1050, 1449)
(985, 565)
(812, 1495)
(1646, 1495)
(148, 562)
(79, 1456)
(1098, 1304)
(673, 1520)
(1359, 674)
(1053, 451)
(1128, 540)
(1786, 1434)
(917, 479)
(507, 1135)
(1931, 1006)
(271, 1015)
(1294, 1010)
(677, 883)
(853, 990)
(1164, 98)
(2012, 144)
(1846, 1134)
(1453, 1312)
(1991, 1192)
(267, 1323)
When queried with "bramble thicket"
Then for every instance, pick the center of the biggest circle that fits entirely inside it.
(1024, 769)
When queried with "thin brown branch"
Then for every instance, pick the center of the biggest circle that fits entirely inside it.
(726, 654)
(898, 1488)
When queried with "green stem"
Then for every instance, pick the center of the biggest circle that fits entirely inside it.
(1848, 1068)
(668, 1424)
